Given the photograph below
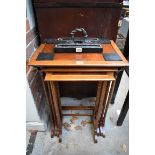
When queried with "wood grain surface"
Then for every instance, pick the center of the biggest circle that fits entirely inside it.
(77, 60)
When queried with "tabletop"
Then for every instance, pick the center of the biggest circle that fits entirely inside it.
(78, 59)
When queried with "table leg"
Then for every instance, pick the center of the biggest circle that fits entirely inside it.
(119, 76)
(97, 117)
(58, 98)
(48, 100)
(98, 95)
(105, 106)
(56, 108)
(60, 108)
(124, 111)
(53, 111)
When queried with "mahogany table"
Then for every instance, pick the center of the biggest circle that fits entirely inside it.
(75, 67)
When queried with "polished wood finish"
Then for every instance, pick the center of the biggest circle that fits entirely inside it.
(71, 77)
(85, 60)
(79, 68)
(78, 63)
(77, 114)
(77, 107)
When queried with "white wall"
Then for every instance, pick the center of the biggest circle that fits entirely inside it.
(31, 110)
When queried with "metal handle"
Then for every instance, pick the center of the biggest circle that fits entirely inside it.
(79, 30)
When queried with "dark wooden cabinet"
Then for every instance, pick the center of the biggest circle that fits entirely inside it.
(57, 18)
